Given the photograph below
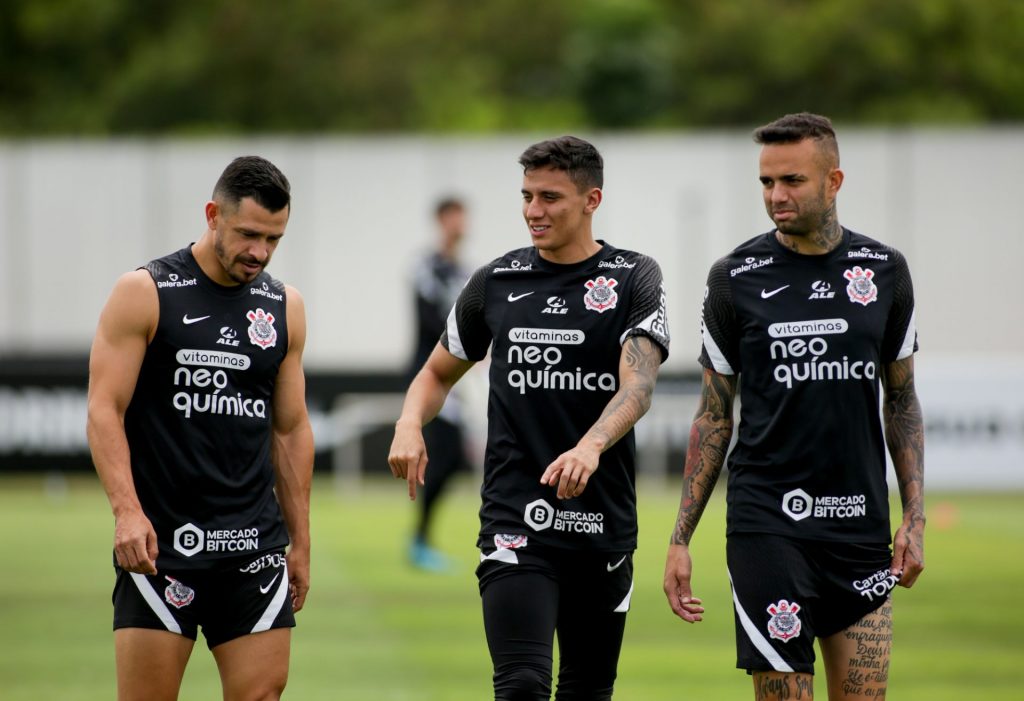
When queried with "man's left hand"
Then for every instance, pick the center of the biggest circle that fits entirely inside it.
(298, 576)
(571, 471)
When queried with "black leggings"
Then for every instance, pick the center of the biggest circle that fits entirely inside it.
(572, 594)
(445, 447)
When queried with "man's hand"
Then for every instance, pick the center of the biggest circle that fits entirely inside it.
(678, 569)
(135, 547)
(408, 456)
(908, 552)
(298, 575)
(572, 470)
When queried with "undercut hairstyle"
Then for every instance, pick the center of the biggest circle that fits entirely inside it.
(578, 158)
(255, 177)
(794, 128)
(448, 204)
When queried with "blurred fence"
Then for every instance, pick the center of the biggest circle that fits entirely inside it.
(76, 214)
(974, 415)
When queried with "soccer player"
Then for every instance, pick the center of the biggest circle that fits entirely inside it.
(439, 278)
(199, 432)
(811, 316)
(577, 333)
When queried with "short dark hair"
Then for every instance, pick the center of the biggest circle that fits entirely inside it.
(255, 177)
(793, 128)
(447, 204)
(578, 158)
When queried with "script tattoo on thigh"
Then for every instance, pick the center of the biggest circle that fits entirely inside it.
(868, 668)
(771, 687)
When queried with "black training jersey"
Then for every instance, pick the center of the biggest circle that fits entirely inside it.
(809, 337)
(555, 333)
(199, 423)
(439, 281)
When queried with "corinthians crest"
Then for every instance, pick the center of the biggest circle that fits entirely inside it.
(177, 594)
(861, 288)
(261, 331)
(601, 294)
(784, 623)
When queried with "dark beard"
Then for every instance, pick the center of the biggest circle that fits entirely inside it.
(222, 258)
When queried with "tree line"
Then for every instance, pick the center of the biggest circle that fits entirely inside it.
(197, 67)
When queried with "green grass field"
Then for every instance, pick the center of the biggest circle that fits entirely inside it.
(375, 630)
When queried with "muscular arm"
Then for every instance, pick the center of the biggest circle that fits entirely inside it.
(705, 455)
(127, 324)
(423, 400)
(291, 450)
(638, 372)
(904, 433)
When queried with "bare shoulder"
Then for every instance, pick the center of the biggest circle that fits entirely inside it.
(133, 305)
(293, 296)
(296, 307)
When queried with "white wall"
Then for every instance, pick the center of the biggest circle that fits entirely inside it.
(75, 214)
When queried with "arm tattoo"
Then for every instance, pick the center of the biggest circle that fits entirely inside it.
(641, 359)
(709, 441)
(904, 432)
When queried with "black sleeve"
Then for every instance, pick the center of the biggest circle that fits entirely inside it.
(648, 315)
(719, 332)
(900, 329)
(466, 334)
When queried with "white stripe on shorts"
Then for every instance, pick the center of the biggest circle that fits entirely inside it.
(624, 606)
(267, 619)
(760, 642)
(502, 555)
(155, 602)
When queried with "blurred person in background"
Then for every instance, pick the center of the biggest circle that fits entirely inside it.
(198, 429)
(810, 316)
(577, 333)
(439, 277)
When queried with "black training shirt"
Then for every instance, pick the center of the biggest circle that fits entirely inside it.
(199, 423)
(555, 334)
(809, 337)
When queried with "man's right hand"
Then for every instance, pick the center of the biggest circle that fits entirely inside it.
(408, 456)
(678, 569)
(135, 546)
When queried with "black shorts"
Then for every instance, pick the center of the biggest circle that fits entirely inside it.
(788, 592)
(228, 600)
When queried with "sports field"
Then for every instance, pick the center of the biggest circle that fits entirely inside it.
(375, 630)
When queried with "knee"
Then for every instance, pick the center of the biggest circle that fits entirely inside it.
(522, 683)
(266, 690)
(583, 691)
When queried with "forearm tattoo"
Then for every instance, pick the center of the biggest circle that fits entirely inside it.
(904, 432)
(705, 454)
(643, 360)
(868, 667)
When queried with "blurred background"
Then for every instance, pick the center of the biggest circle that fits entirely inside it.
(117, 117)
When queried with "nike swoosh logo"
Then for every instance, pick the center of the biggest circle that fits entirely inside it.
(612, 568)
(513, 298)
(766, 295)
(185, 320)
(264, 590)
